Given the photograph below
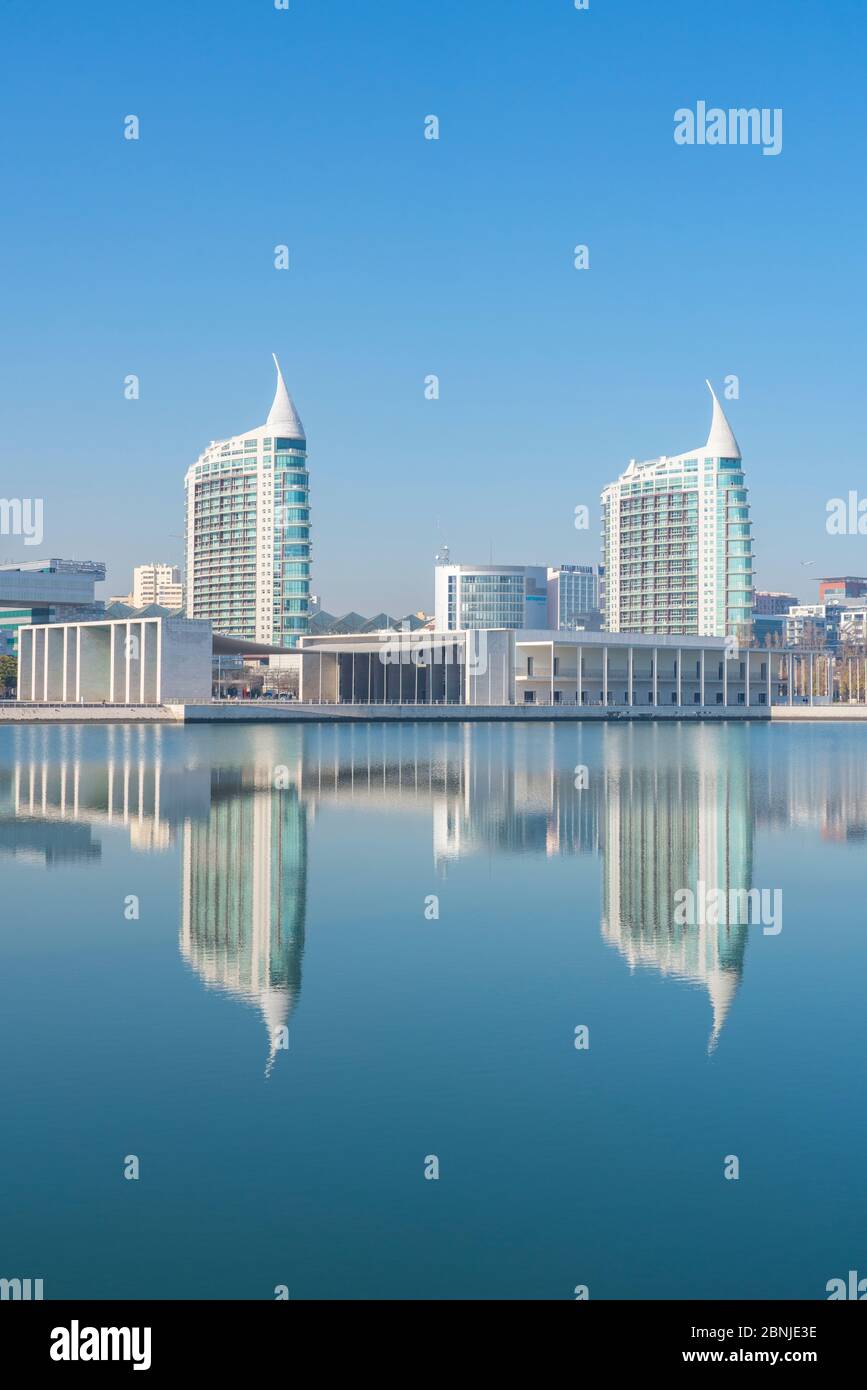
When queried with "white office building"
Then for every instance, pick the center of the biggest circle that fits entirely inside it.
(678, 542)
(490, 596)
(248, 530)
(575, 597)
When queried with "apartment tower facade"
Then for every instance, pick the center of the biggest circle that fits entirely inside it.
(677, 541)
(248, 549)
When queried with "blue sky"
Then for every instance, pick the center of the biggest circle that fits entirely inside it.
(411, 257)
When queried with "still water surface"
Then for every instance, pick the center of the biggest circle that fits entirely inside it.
(283, 875)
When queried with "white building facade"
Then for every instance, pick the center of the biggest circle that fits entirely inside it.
(608, 671)
(126, 661)
(678, 542)
(575, 594)
(248, 550)
(490, 596)
(157, 583)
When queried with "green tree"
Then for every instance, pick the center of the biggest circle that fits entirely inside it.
(8, 673)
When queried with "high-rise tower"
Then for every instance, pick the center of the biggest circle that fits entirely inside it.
(248, 529)
(678, 543)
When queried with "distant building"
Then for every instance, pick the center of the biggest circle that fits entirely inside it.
(769, 629)
(813, 625)
(853, 627)
(490, 596)
(846, 586)
(154, 583)
(678, 544)
(46, 591)
(574, 597)
(323, 623)
(248, 530)
(771, 602)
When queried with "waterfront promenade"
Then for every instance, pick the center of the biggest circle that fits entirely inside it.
(279, 712)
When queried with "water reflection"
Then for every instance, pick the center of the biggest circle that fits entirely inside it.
(668, 827)
(244, 894)
(662, 808)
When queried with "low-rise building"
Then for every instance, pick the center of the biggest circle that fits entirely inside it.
(144, 661)
(538, 667)
(46, 591)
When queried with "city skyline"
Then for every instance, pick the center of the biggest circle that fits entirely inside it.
(156, 275)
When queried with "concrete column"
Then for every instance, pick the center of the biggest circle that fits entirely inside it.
(680, 676)
(770, 688)
(811, 677)
(725, 679)
(655, 677)
(551, 644)
(630, 658)
(605, 675)
(747, 669)
(580, 685)
(701, 697)
(791, 673)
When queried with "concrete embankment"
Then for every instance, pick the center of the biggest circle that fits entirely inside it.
(273, 712)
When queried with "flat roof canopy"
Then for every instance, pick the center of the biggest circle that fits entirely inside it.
(245, 646)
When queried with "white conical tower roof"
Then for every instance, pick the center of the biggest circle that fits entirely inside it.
(275, 1005)
(283, 418)
(722, 986)
(721, 443)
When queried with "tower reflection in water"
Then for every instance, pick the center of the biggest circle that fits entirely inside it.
(244, 894)
(664, 809)
(670, 826)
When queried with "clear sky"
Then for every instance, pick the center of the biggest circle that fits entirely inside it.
(411, 257)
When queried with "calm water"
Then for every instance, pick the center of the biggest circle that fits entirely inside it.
(304, 907)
